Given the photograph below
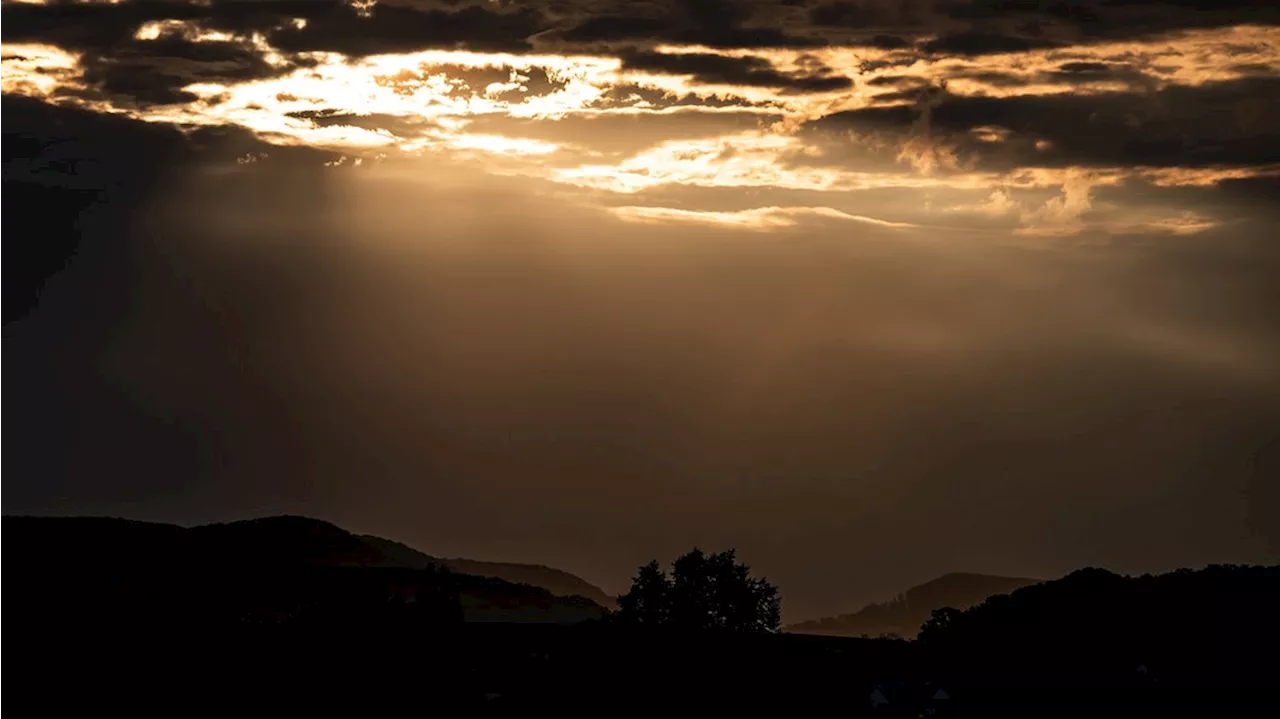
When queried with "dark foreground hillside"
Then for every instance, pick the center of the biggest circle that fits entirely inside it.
(163, 622)
(1044, 653)
(1213, 628)
(513, 670)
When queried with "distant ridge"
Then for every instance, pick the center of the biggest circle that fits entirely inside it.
(903, 615)
(556, 581)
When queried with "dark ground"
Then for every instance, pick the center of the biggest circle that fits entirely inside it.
(509, 670)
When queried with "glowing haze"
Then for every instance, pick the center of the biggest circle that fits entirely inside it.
(870, 290)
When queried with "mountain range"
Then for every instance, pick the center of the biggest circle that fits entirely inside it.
(45, 548)
(245, 552)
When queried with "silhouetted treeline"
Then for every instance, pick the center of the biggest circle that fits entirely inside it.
(704, 592)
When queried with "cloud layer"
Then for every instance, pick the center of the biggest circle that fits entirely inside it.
(950, 98)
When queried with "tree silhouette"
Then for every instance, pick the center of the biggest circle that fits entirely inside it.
(939, 622)
(647, 602)
(703, 592)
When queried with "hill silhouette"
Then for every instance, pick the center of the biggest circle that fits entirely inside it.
(903, 615)
(1214, 627)
(288, 538)
(277, 567)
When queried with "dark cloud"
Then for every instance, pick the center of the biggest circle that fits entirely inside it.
(391, 28)
(720, 69)
(910, 95)
(611, 28)
(851, 14)
(133, 71)
(1111, 19)
(154, 72)
(83, 174)
(889, 42)
(977, 26)
(982, 43)
(1128, 18)
(1087, 72)
(1072, 72)
(871, 119)
(1253, 68)
(1262, 191)
(997, 9)
(83, 150)
(714, 23)
(1085, 68)
(1213, 124)
(88, 27)
(81, 269)
(897, 81)
(331, 25)
(403, 25)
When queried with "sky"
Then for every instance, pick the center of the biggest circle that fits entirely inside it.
(871, 291)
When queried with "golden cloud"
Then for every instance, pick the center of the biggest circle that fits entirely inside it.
(419, 101)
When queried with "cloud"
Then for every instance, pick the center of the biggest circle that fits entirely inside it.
(389, 28)
(1085, 20)
(1076, 210)
(131, 59)
(997, 204)
(672, 102)
(75, 171)
(710, 23)
(324, 25)
(846, 14)
(1186, 223)
(1175, 126)
(36, 70)
(980, 43)
(750, 159)
(1061, 215)
(412, 25)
